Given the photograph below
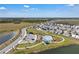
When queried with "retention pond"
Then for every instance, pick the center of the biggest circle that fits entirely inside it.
(7, 37)
(72, 49)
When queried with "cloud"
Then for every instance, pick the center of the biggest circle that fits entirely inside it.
(30, 9)
(2, 8)
(26, 6)
(71, 5)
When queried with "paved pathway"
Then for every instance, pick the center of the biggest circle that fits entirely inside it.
(34, 45)
(60, 41)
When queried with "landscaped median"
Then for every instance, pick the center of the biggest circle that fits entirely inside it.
(39, 46)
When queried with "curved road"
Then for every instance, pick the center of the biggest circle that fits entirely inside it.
(16, 42)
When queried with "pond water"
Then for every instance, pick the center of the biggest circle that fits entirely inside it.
(72, 49)
(7, 37)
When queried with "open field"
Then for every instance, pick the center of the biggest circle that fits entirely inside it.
(4, 27)
(72, 22)
(12, 24)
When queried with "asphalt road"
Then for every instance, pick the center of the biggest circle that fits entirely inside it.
(16, 42)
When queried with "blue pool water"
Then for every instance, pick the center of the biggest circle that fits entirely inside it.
(7, 37)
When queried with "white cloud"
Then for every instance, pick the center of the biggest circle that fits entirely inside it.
(2, 8)
(26, 6)
(30, 9)
(71, 5)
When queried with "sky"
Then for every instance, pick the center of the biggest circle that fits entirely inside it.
(39, 10)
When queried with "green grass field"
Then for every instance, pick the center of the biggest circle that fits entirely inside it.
(42, 47)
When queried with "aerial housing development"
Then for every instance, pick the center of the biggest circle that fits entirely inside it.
(38, 37)
(39, 29)
(64, 29)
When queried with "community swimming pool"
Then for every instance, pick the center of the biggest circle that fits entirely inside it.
(7, 37)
